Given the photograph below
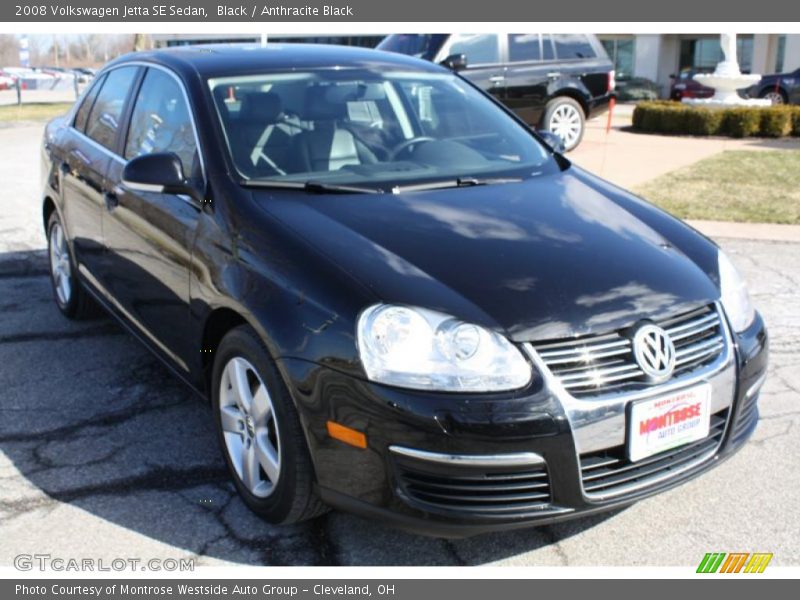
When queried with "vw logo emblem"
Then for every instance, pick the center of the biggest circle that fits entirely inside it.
(654, 352)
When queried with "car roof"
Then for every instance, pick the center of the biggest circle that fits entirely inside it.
(218, 60)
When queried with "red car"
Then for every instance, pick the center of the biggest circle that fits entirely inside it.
(6, 81)
(684, 86)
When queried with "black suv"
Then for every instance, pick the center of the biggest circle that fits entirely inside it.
(553, 81)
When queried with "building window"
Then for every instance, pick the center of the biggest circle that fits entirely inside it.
(780, 53)
(702, 54)
(621, 52)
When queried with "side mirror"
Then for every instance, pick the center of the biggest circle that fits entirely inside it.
(455, 62)
(161, 172)
(552, 140)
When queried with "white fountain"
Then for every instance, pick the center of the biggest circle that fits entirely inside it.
(726, 79)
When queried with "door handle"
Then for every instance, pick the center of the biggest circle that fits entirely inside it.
(497, 78)
(554, 74)
(111, 199)
(80, 156)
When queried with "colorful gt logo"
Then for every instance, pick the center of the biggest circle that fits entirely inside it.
(736, 562)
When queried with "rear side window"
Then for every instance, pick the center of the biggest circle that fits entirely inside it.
(573, 45)
(524, 47)
(161, 121)
(86, 105)
(105, 115)
(481, 49)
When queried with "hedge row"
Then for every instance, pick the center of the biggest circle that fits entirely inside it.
(674, 117)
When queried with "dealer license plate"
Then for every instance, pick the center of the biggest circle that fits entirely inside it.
(659, 424)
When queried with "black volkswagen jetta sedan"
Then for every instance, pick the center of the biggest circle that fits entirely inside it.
(399, 300)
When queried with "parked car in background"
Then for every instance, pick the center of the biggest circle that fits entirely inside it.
(780, 88)
(552, 81)
(6, 81)
(17, 72)
(398, 298)
(684, 86)
(84, 74)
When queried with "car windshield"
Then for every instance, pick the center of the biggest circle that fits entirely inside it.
(363, 128)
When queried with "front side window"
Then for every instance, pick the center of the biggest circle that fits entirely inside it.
(104, 118)
(365, 127)
(524, 47)
(161, 121)
(480, 49)
(86, 105)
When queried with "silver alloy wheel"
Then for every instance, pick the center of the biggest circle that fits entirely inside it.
(59, 264)
(565, 122)
(249, 427)
(774, 97)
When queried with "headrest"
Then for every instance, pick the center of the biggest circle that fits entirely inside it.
(261, 107)
(325, 102)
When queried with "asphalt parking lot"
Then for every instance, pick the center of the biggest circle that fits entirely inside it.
(104, 454)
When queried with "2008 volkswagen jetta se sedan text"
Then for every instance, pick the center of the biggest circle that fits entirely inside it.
(398, 299)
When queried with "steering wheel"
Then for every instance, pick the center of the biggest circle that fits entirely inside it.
(402, 146)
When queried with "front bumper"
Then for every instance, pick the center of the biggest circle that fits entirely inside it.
(425, 449)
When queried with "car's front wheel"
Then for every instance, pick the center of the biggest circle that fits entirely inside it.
(260, 432)
(72, 300)
(564, 117)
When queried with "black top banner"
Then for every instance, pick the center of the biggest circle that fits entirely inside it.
(194, 11)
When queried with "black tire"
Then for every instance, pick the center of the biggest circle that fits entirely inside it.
(553, 110)
(77, 304)
(294, 498)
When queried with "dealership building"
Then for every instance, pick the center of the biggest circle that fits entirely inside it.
(657, 56)
(650, 56)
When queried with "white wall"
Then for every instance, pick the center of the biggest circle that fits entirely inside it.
(765, 46)
(791, 60)
(647, 49)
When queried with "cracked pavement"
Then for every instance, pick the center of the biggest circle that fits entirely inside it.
(104, 454)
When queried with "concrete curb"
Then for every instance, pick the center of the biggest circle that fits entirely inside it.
(25, 263)
(748, 231)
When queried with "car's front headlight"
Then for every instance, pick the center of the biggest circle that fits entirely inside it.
(734, 296)
(427, 350)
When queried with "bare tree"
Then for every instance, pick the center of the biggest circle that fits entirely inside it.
(85, 50)
(141, 42)
(9, 50)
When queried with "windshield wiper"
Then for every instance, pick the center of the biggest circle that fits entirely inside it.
(451, 183)
(312, 187)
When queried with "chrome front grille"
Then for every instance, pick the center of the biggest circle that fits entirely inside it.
(609, 473)
(594, 365)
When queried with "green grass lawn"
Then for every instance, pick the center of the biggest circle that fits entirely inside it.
(735, 185)
(34, 111)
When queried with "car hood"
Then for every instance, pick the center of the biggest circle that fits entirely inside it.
(546, 258)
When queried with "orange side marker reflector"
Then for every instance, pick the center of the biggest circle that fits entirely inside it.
(347, 435)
